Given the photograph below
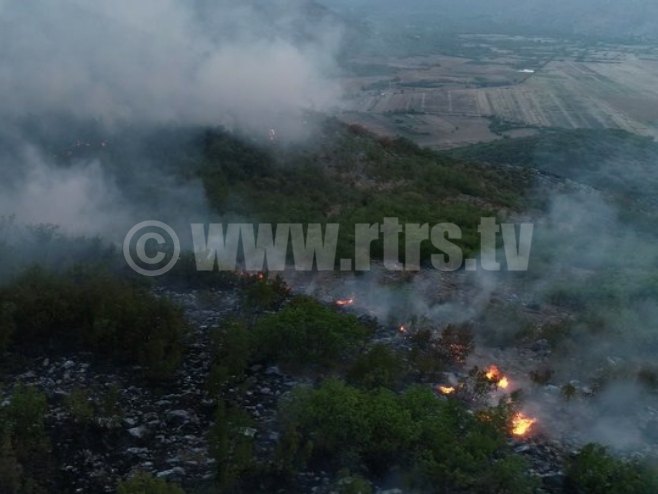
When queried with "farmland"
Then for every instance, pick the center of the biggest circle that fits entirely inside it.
(506, 86)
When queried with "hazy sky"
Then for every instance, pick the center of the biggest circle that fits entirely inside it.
(618, 18)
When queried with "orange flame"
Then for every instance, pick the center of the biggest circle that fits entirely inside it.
(403, 329)
(343, 303)
(494, 375)
(446, 390)
(522, 424)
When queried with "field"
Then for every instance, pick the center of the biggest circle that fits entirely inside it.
(445, 101)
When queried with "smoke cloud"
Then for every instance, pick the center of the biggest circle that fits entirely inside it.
(158, 61)
(77, 75)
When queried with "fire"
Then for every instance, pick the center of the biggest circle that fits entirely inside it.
(521, 424)
(403, 329)
(494, 375)
(446, 390)
(249, 275)
(345, 302)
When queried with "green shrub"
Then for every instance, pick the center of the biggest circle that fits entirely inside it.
(11, 471)
(426, 355)
(594, 471)
(442, 445)
(80, 407)
(143, 483)
(25, 417)
(457, 342)
(114, 318)
(231, 442)
(7, 325)
(233, 348)
(350, 424)
(380, 366)
(354, 485)
(307, 333)
(263, 293)
(25, 461)
(361, 179)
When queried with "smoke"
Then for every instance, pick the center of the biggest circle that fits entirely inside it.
(162, 61)
(592, 291)
(80, 199)
(590, 298)
(98, 100)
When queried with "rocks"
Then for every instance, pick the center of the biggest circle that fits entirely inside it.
(178, 418)
(273, 371)
(553, 481)
(546, 459)
(164, 431)
(140, 432)
(175, 473)
(542, 347)
(136, 426)
(130, 422)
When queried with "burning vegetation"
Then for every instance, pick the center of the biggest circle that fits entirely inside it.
(522, 424)
(495, 376)
(446, 390)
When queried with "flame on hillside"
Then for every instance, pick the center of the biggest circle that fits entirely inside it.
(494, 375)
(446, 390)
(522, 424)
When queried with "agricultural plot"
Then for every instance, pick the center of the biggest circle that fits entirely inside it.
(569, 94)
(591, 90)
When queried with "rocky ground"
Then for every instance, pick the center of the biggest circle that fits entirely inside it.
(138, 427)
(163, 429)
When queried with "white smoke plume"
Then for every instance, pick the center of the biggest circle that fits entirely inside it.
(156, 61)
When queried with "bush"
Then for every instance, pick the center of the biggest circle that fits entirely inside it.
(80, 407)
(349, 424)
(7, 325)
(362, 180)
(457, 342)
(354, 485)
(25, 462)
(11, 471)
(378, 367)
(432, 353)
(594, 471)
(446, 448)
(233, 348)
(307, 333)
(95, 311)
(262, 293)
(231, 442)
(143, 483)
